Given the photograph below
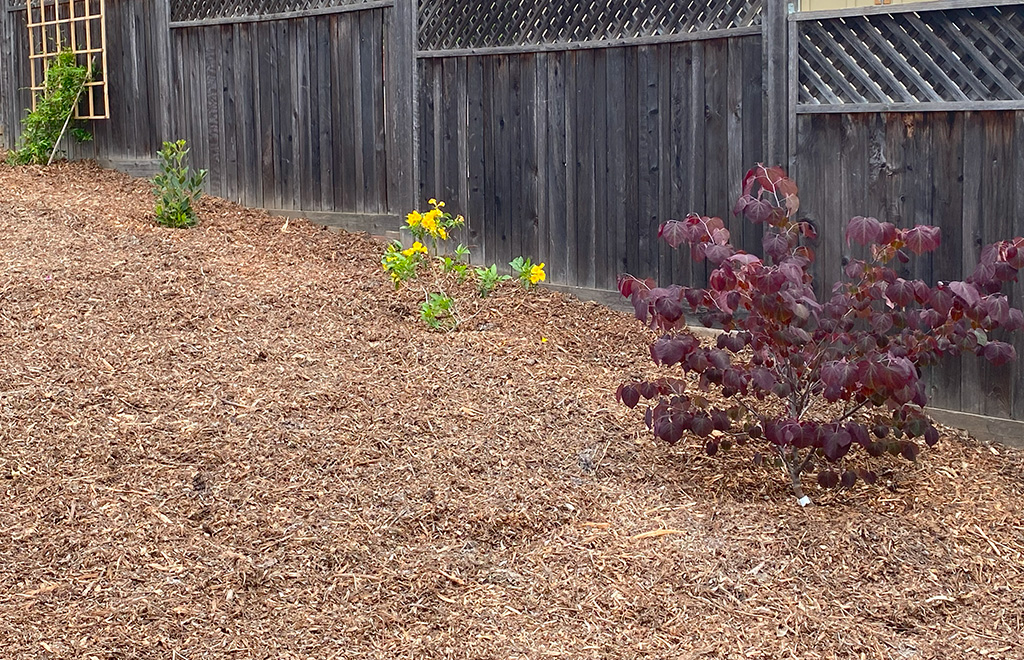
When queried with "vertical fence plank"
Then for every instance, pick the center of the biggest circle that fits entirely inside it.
(324, 160)
(682, 166)
(529, 209)
(632, 216)
(569, 249)
(615, 208)
(972, 393)
(539, 183)
(513, 210)
(997, 223)
(603, 222)
(343, 111)
(695, 151)
(556, 169)
(583, 166)
(374, 73)
(649, 179)
(230, 126)
(1017, 290)
(478, 183)
(947, 203)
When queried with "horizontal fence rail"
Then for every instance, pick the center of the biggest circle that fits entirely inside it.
(953, 57)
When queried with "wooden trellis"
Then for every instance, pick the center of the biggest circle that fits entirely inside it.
(198, 10)
(78, 25)
(457, 24)
(936, 57)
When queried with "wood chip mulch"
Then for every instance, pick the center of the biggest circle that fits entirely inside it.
(237, 441)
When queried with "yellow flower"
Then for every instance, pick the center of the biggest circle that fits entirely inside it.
(414, 219)
(429, 221)
(537, 274)
(432, 201)
(416, 247)
(442, 233)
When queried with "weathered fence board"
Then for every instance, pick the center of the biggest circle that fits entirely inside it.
(296, 123)
(576, 157)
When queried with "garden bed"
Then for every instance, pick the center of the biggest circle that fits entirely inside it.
(237, 442)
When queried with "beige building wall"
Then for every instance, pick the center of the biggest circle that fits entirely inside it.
(818, 5)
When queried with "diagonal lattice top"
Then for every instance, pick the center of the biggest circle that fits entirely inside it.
(455, 24)
(956, 55)
(197, 10)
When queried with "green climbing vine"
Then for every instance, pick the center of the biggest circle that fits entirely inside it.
(45, 126)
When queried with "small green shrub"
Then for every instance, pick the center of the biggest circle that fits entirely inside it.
(176, 187)
(487, 279)
(44, 126)
(437, 311)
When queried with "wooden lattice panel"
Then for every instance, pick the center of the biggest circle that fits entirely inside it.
(456, 24)
(961, 55)
(78, 25)
(197, 10)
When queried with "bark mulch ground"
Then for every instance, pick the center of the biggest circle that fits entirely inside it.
(237, 441)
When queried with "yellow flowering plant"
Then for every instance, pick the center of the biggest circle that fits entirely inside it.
(528, 273)
(445, 270)
(401, 263)
(435, 224)
(431, 230)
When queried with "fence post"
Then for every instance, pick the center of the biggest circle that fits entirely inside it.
(775, 53)
(401, 32)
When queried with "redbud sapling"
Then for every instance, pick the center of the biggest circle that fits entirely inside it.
(804, 379)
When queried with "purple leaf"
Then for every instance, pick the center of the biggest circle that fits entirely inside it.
(863, 231)
(702, 425)
(837, 444)
(668, 350)
(922, 238)
(901, 292)
(889, 233)
(629, 395)
(909, 450)
(775, 245)
(716, 254)
(836, 374)
(672, 232)
(758, 211)
(999, 353)
(849, 479)
(998, 309)
(741, 204)
(965, 292)
(828, 479)
(668, 308)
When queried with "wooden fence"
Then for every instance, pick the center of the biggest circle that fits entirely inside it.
(568, 133)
